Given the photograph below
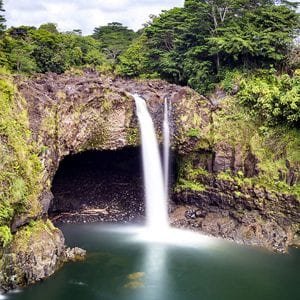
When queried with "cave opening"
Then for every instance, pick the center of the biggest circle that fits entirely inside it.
(99, 186)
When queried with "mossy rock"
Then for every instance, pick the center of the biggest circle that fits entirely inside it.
(20, 167)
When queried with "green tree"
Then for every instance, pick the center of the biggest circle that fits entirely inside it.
(49, 53)
(50, 27)
(27, 49)
(262, 34)
(2, 18)
(115, 39)
(135, 61)
(20, 58)
(194, 44)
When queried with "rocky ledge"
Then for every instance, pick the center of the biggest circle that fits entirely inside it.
(36, 253)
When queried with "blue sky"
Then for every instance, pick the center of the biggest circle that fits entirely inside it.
(84, 14)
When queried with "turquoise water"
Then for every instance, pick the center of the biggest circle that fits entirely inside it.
(119, 267)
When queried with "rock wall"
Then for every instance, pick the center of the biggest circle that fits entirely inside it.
(242, 183)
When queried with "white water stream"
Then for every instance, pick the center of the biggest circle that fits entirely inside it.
(155, 191)
(166, 132)
(156, 184)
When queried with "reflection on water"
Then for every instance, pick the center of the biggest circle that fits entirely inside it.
(154, 266)
(119, 266)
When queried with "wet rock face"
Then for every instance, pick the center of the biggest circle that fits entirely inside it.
(38, 252)
(247, 216)
(247, 227)
(71, 114)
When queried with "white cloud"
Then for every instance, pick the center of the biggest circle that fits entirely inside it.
(84, 14)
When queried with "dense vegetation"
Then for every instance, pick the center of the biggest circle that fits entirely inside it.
(198, 43)
(194, 45)
(115, 39)
(20, 167)
(29, 50)
(272, 99)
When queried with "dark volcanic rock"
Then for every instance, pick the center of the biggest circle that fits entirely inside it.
(246, 217)
(36, 254)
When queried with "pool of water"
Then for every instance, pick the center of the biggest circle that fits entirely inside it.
(121, 266)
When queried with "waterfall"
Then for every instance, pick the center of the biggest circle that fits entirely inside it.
(166, 132)
(156, 201)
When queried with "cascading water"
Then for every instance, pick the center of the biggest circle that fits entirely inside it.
(166, 132)
(156, 183)
(156, 201)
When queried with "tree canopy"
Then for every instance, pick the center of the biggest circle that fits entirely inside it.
(194, 44)
(27, 49)
(115, 38)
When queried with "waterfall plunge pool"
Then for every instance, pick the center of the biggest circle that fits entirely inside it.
(120, 266)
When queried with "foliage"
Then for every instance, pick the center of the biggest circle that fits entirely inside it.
(29, 50)
(259, 36)
(274, 99)
(194, 132)
(189, 185)
(5, 236)
(20, 168)
(133, 62)
(189, 177)
(194, 44)
(276, 147)
(115, 39)
(50, 27)
(20, 55)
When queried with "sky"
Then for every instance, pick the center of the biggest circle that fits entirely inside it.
(84, 14)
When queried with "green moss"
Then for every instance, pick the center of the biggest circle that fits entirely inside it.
(5, 236)
(132, 135)
(189, 185)
(97, 139)
(226, 176)
(189, 176)
(188, 170)
(22, 239)
(20, 167)
(238, 194)
(49, 123)
(274, 147)
(232, 125)
(107, 105)
(194, 132)
(277, 149)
